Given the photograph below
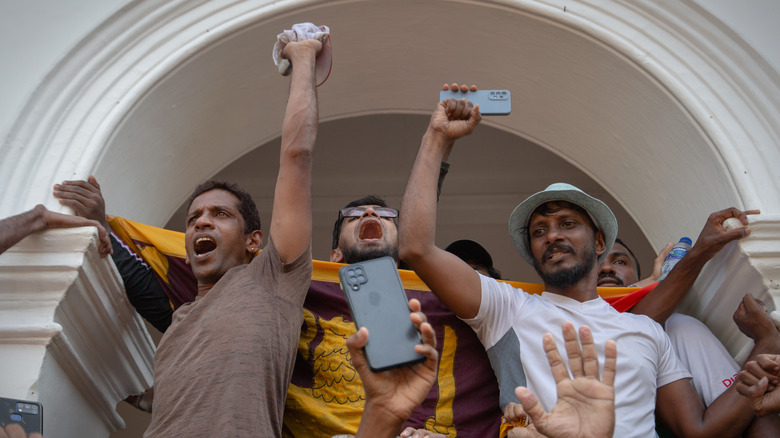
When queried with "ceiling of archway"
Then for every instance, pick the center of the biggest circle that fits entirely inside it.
(491, 172)
(575, 98)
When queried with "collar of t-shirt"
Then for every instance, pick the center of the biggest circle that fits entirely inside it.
(574, 305)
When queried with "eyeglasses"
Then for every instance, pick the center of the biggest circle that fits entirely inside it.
(383, 212)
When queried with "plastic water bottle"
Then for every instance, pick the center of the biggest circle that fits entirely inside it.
(678, 251)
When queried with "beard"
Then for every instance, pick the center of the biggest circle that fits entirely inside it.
(571, 276)
(354, 255)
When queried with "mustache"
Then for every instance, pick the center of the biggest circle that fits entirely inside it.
(552, 248)
(617, 280)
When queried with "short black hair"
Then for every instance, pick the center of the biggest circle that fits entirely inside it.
(367, 200)
(246, 206)
(636, 261)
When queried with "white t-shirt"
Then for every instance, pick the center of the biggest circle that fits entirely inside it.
(646, 360)
(711, 365)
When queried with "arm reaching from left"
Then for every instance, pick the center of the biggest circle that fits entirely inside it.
(16, 228)
(586, 403)
(391, 396)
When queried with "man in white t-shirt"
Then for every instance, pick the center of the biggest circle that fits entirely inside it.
(565, 234)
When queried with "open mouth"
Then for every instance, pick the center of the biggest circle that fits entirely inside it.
(204, 245)
(370, 230)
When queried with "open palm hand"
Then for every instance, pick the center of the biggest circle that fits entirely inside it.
(586, 404)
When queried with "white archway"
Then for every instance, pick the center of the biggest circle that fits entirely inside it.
(658, 102)
(721, 90)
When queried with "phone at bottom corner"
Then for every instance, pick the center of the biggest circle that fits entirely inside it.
(28, 414)
(377, 301)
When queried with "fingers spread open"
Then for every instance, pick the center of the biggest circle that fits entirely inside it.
(610, 363)
(557, 366)
(590, 359)
(573, 349)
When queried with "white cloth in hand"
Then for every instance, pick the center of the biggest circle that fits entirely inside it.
(299, 32)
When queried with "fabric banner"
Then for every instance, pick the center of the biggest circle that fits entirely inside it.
(326, 397)
(163, 250)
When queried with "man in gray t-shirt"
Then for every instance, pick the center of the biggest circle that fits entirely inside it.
(223, 366)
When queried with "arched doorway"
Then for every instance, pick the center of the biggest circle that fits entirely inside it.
(653, 105)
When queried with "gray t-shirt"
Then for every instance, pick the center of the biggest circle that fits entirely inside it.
(224, 365)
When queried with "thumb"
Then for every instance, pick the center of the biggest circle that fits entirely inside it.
(475, 117)
(355, 344)
(92, 180)
(530, 404)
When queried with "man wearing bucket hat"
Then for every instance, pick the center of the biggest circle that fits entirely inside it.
(564, 233)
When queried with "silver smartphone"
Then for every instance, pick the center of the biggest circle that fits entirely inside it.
(491, 102)
(377, 300)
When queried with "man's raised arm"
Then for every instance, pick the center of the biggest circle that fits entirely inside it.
(453, 281)
(291, 220)
(661, 301)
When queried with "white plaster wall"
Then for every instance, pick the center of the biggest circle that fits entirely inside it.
(34, 36)
(169, 91)
(755, 21)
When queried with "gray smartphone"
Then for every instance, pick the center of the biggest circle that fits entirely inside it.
(28, 414)
(491, 102)
(377, 300)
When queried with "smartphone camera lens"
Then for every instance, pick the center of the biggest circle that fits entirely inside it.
(27, 408)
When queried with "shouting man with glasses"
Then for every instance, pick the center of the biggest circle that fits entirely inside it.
(326, 395)
(365, 230)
